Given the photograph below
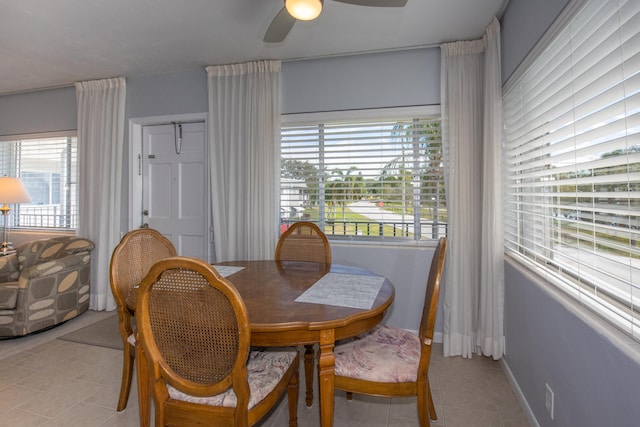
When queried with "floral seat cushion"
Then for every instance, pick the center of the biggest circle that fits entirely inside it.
(384, 354)
(265, 367)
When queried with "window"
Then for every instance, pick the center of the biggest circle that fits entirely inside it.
(572, 138)
(47, 165)
(364, 178)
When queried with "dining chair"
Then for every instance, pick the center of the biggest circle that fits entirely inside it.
(304, 241)
(195, 334)
(392, 362)
(131, 260)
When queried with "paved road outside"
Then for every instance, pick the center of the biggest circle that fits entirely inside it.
(376, 213)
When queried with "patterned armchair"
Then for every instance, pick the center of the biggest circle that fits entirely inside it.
(46, 282)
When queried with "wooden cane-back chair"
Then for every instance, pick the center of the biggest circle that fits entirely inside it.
(304, 241)
(195, 333)
(130, 262)
(393, 362)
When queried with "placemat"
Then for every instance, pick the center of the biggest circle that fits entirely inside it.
(227, 270)
(344, 290)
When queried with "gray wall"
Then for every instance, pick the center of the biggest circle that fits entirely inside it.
(593, 369)
(522, 25)
(167, 94)
(391, 79)
(41, 111)
(361, 81)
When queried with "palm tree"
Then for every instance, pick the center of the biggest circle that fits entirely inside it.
(344, 187)
(421, 157)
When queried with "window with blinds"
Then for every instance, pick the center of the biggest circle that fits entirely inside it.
(48, 167)
(572, 152)
(365, 179)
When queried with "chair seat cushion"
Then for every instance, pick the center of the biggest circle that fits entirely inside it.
(383, 354)
(266, 368)
(8, 295)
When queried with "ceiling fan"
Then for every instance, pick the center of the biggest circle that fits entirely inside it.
(307, 10)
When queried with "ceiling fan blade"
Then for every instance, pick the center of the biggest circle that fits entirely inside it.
(376, 3)
(280, 27)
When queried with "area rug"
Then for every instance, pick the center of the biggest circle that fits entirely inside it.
(104, 333)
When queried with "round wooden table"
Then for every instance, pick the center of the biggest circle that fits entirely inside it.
(269, 290)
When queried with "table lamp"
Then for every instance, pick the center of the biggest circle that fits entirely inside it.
(11, 191)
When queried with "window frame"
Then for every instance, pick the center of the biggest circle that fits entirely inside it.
(72, 217)
(348, 116)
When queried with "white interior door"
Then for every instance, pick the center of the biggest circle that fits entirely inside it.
(174, 185)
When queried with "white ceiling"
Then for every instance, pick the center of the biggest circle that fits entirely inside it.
(50, 43)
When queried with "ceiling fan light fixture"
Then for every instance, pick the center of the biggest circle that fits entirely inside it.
(304, 10)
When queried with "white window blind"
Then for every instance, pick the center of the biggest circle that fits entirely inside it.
(47, 165)
(364, 179)
(572, 139)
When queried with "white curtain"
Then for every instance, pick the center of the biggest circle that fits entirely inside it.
(101, 105)
(471, 132)
(244, 140)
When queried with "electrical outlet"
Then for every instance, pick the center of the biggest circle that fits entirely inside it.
(548, 399)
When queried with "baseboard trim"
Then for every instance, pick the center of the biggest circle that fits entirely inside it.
(526, 409)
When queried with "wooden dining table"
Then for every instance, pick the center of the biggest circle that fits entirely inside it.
(270, 289)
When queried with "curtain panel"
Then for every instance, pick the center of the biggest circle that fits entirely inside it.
(244, 140)
(471, 106)
(101, 105)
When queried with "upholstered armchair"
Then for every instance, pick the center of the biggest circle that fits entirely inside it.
(45, 283)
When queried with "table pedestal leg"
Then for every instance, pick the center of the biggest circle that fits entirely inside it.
(308, 373)
(326, 363)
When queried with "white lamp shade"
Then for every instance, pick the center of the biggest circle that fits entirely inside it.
(12, 191)
(304, 10)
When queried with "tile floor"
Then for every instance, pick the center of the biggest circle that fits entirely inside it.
(45, 381)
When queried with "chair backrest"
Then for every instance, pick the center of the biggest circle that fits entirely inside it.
(432, 295)
(194, 329)
(133, 257)
(303, 241)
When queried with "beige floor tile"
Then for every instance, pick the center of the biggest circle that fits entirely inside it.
(55, 401)
(107, 371)
(109, 394)
(60, 383)
(361, 411)
(90, 355)
(52, 375)
(82, 415)
(404, 408)
(127, 418)
(13, 396)
(464, 417)
(20, 418)
(470, 393)
(16, 358)
(10, 373)
(393, 422)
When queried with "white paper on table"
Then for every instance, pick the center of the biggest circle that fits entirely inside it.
(227, 270)
(344, 290)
